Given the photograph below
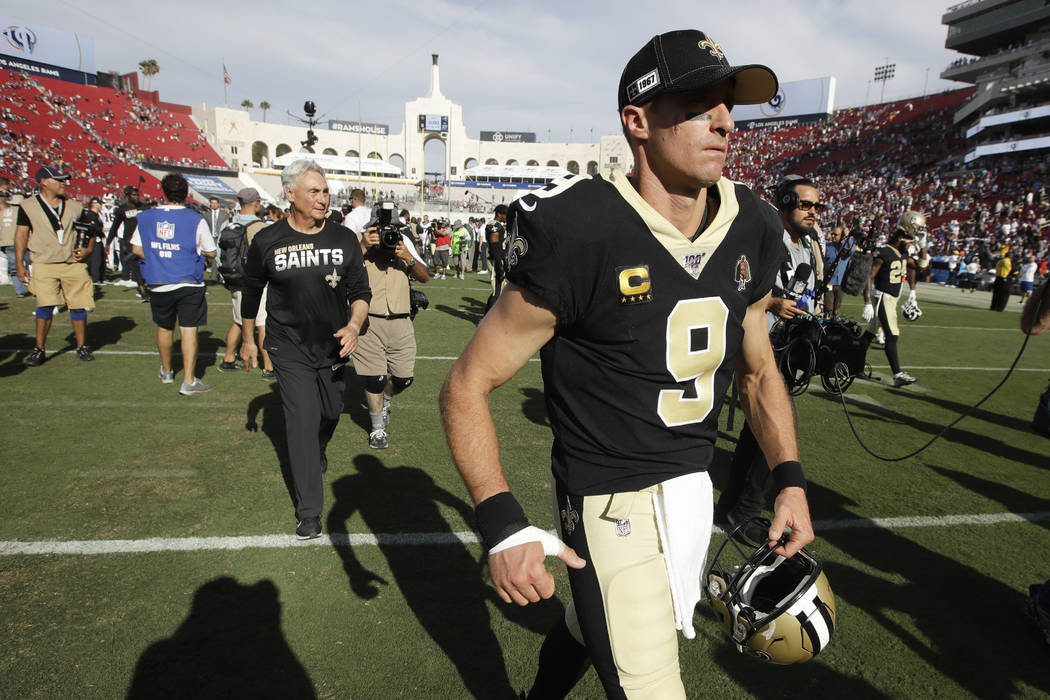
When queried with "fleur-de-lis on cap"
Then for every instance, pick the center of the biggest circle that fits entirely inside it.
(713, 48)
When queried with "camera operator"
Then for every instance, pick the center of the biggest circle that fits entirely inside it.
(794, 295)
(894, 262)
(839, 245)
(389, 344)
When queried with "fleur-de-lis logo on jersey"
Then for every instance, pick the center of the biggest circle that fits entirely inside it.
(713, 48)
(333, 279)
(569, 518)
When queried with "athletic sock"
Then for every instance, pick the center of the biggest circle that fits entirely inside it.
(377, 420)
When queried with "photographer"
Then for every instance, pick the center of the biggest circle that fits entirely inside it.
(389, 345)
(750, 486)
(47, 227)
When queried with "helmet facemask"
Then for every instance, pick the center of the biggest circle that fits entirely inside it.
(776, 609)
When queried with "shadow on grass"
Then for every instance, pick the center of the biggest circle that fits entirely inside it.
(813, 680)
(273, 426)
(108, 331)
(443, 585)
(471, 310)
(12, 361)
(208, 347)
(229, 646)
(1013, 500)
(956, 620)
(354, 401)
(985, 443)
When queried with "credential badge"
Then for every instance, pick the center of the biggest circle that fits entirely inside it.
(742, 276)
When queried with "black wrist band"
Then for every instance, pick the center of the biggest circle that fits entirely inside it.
(788, 474)
(499, 517)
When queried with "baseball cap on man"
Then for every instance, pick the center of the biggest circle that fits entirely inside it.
(248, 195)
(687, 60)
(50, 173)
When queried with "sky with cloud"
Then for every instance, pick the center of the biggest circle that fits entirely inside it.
(545, 66)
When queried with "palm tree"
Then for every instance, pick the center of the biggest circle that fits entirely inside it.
(264, 105)
(149, 68)
(247, 104)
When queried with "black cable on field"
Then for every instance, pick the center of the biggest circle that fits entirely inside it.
(964, 414)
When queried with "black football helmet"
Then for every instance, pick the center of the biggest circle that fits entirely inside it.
(775, 609)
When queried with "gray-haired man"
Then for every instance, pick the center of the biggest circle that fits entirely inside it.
(317, 303)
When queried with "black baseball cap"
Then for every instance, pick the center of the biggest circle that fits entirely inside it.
(687, 60)
(50, 173)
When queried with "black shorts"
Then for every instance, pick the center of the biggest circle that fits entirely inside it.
(187, 304)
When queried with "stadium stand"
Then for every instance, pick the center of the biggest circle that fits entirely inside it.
(100, 135)
(872, 162)
(879, 161)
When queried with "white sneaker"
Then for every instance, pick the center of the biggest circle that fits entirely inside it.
(377, 439)
(903, 379)
(166, 377)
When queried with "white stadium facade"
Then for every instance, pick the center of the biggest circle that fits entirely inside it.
(374, 158)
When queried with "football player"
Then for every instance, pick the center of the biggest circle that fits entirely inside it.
(643, 294)
(894, 263)
(496, 238)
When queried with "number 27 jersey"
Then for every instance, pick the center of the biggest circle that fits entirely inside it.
(649, 323)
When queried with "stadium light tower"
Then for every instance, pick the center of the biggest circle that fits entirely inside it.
(882, 74)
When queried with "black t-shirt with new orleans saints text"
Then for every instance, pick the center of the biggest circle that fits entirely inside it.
(313, 280)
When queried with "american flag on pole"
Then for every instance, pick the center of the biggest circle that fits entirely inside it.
(226, 75)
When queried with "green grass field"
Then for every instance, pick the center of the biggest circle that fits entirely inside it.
(115, 579)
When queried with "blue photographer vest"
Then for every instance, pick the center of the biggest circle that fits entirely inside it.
(169, 242)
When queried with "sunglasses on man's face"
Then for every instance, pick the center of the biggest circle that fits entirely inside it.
(806, 205)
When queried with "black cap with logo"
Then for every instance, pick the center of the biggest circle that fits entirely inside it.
(686, 60)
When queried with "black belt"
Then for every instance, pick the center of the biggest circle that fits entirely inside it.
(390, 316)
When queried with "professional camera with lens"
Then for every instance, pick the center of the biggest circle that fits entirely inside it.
(388, 227)
(86, 229)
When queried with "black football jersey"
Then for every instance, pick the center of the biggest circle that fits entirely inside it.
(893, 271)
(649, 323)
(313, 280)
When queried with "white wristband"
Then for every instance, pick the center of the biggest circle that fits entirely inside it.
(552, 546)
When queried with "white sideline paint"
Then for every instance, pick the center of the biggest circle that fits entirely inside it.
(202, 544)
(452, 358)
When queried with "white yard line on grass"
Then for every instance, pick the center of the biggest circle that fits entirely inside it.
(201, 544)
(452, 358)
